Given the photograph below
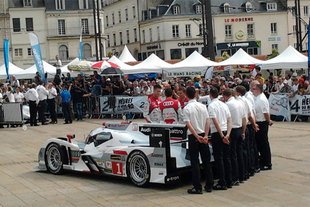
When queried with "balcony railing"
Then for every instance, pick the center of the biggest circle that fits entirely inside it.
(67, 31)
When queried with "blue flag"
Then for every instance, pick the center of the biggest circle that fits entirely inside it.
(81, 48)
(36, 49)
(6, 49)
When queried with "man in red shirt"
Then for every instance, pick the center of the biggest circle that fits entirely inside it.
(154, 111)
(171, 109)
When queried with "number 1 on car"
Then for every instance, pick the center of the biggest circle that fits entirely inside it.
(117, 168)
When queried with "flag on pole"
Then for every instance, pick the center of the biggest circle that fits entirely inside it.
(81, 46)
(6, 49)
(36, 49)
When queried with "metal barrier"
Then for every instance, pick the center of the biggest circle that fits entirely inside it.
(11, 113)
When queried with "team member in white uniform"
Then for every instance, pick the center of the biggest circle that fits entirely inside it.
(263, 120)
(33, 98)
(52, 93)
(19, 96)
(43, 93)
(197, 120)
(220, 132)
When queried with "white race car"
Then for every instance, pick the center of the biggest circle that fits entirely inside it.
(146, 153)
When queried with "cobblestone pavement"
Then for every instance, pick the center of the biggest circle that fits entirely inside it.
(288, 184)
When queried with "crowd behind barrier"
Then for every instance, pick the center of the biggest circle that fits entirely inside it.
(97, 96)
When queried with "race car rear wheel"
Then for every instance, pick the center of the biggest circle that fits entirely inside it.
(54, 159)
(138, 168)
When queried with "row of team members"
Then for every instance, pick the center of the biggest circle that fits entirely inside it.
(238, 123)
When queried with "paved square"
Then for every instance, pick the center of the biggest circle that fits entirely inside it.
(288, 184)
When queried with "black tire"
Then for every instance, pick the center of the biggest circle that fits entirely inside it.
(54, 157)
(138, 169)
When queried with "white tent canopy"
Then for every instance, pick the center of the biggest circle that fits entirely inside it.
(30, 72)
(64, 69)
(241, 58)
(289, 58)
(13, 70)
(120, 63)
(194, 62)
(126, 56)
(152, 64)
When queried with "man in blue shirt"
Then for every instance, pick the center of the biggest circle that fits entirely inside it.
(65, 100)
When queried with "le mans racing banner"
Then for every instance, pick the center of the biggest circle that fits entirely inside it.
(124, 104)
(300, 105)
(36, 49)
(279, 106)
(6, 48)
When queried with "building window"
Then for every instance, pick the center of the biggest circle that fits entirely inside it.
(135, 34)
(126, 14)
(151, 34)
(200, 30)
(275, 47)
(273, 28)
(306, 11)
(61, 27)
(60, 4)
(143, 36)
(189, 51)
(114, 39)
(198, 9)
(120, 38)
(252, 51)
(176, 9)
(228, 31)
(248, 7)
(85, 28)
(16, 24)
(250, 30)
(175, 31)
(113, 19)
(158, 33)
(119, 16)
(272, 6)
(27, 3)
(188, 30)
(133, 12)
(226, 8)
(175, 54)
(107, 20)
(83, 4)
(63, 52)
(18, 52)
(294, 29)
(29, 24)
(29, 51)
(109, 42)
(127, 36)
(87, 50)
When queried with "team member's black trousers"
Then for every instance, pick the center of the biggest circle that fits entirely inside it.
(253, 154)
(262, 142)
(66, 111)
(237, 161)
(51, 109)
(41, 111)
(194, 149)
(33, 112)
(222, 159)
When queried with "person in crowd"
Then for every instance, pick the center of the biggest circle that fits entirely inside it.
(286, 87)
(197, 121)
(10, 95)
(237, 136)
(263, 121)
(58, 63)
(1, 96)
(32, 97)
(182, 98)
(37, 78)
(15, 82)
(77, 93)
(154, 110)
(171, 109)
(43, 93)
(97, 83)
(65, 103)
(221, 125)
(51, 102)
(306, 88)
(18, 95)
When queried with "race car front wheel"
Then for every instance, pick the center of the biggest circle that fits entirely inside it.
(53, 159)
(138, 168)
